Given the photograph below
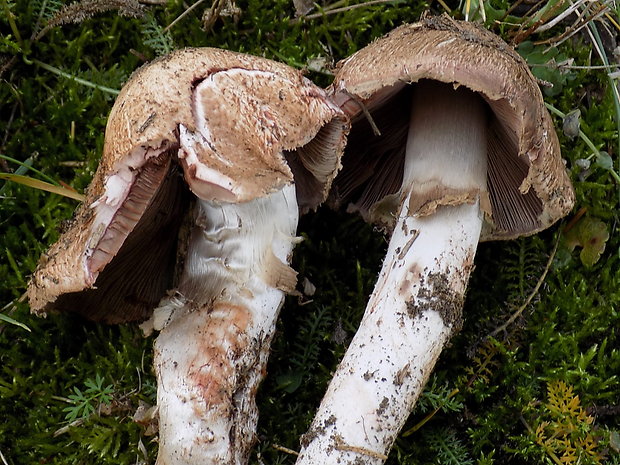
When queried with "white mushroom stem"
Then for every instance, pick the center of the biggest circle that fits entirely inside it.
(417, 301)
(212, 352)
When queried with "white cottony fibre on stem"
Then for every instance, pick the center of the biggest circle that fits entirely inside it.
(416, 303)
(211, 355)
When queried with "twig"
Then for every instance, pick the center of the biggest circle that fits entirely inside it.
(529, 16)
(510, 10)
(557, 40)
(570, 10)
(333, 6)
(575, 219)
(11, 304)
(182, 15)
(529, 299)
(8, 64)
(72, 163)
(341, 445)
(65, 429)
(342, 9)
(371, 121)
(210, 17)
(524, 32)
(286, 450)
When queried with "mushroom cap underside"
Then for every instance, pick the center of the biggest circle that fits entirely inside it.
(528, 185)
(227, 126)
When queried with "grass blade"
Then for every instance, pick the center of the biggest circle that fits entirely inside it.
(42, 185)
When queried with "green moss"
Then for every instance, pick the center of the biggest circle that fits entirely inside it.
(568, 333)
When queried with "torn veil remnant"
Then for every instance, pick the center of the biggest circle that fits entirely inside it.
(233, 146)
(466, 152)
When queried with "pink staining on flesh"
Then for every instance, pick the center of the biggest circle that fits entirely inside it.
(213, 369)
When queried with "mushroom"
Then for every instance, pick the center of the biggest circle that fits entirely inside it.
(207, 256)
(466, 152)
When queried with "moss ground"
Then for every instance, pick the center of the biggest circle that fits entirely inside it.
(546, 389)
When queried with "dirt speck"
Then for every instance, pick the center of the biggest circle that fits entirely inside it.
(402, 374)
(436, 293)
(383, 405)
(316, 430)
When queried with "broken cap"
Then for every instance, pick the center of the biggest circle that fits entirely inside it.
(528, 186)
(239, 127)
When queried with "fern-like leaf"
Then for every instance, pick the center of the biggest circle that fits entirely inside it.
(306, 348)
(80, 11)
(483, 362)
(564, 430)
(448, 448)
(104, 440)
(47, 10)
(309, 338)
(438, 397)
(156, 37)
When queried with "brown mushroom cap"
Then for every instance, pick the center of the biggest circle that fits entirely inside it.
(267, 125)
(529, 188)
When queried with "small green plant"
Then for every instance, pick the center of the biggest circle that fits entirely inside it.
(439, 397)
(307, 349)
(156, 37)
(546, 64)
(564, 430)
(85, 403)
(447, 448)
